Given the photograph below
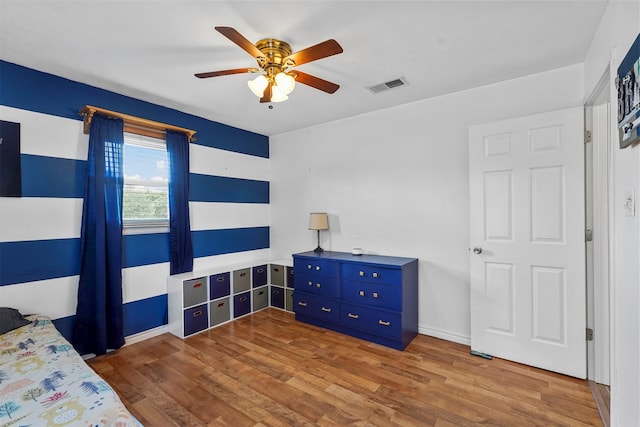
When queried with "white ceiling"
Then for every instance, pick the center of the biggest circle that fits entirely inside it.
(151, 49)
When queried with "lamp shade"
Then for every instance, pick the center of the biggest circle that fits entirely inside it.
(285, 83)
(277, 95)
(258, 85)
(318, 221)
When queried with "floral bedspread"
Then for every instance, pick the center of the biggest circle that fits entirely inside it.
(45, 382)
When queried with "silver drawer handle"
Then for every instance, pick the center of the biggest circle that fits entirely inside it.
(197, 313)
(302, 304)
(243, 299)
(220, 279)
(353, 316)
(326, 310)
(383, 323)
(260, 270)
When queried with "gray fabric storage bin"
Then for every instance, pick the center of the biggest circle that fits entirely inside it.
(219, 311)
(241, 280)
(260, 298)
(194, 292)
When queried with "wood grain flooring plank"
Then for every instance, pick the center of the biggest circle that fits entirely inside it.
(267, 369)
(162, 402)
(148, 415)
(602, 397)
(120, 382)
(257, 405)
(206, 407)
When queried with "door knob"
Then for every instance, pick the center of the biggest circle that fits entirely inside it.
(477, 250)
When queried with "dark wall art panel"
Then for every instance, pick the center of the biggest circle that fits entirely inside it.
(10, 170)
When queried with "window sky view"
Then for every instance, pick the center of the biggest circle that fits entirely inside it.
(145, 164)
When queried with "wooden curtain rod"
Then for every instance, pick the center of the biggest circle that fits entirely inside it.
(134, 124)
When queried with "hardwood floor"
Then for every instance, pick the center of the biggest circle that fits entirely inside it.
(602, 397)
(268, 369)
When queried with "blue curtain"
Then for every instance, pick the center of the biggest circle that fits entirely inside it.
(99, 318)
(181, 248)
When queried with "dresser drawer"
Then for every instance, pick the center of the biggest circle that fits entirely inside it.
(369, 319)
(219, 285)
(316, 266)
(194, 291)
(316, 307)
(371, 274)
(319, 285)
(372, 294)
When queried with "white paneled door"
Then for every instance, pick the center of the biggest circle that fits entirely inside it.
(527, 256)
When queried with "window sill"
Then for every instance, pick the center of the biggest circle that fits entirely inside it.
(145, 229)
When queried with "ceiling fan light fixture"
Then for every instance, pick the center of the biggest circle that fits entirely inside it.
(258, 85)
(285, 83)
(274, 58)
(277, 95)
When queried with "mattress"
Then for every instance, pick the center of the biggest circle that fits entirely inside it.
(45, 382)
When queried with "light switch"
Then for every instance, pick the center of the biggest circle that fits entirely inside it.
(629, 201)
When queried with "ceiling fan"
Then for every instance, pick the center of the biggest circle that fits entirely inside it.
(275, 59)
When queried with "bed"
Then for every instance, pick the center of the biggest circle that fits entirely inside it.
(45, 382)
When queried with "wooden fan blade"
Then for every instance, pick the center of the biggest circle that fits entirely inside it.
(315, 52)
(226, 72)
(240, 40)
(266, 97)
(316, 82)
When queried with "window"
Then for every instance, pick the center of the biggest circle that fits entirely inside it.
(146, 182)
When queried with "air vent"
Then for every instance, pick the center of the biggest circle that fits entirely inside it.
(392, 84)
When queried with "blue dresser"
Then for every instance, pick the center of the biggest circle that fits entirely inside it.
(372, 297)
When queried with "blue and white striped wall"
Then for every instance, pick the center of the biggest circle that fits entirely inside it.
(40, 231)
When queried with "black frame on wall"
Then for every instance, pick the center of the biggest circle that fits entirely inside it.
(10, 167)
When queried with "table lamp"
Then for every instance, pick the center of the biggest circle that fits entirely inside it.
(318, 221)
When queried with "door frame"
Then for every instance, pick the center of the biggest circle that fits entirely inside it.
(599, 188)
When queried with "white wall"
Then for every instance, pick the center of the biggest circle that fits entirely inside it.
(618, 29)
(395, 182)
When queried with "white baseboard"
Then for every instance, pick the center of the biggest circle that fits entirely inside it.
(132, 339)
(445, 335)
(145, 335)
